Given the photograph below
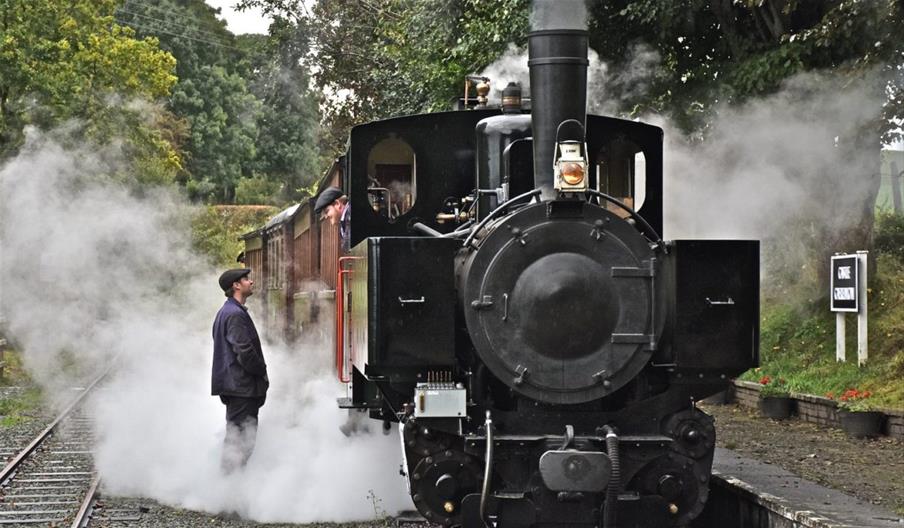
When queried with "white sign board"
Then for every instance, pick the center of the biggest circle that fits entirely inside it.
(845, 283)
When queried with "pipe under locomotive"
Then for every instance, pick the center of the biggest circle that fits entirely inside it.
(538, 343)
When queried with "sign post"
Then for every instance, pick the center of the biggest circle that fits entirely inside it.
(839, 337)
(848, 294)
(862, 339)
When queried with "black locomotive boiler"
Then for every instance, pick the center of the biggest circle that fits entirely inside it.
(510, 303)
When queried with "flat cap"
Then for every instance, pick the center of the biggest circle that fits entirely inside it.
(233, 275)
(328, 196)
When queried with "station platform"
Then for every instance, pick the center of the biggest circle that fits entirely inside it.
(747, 493)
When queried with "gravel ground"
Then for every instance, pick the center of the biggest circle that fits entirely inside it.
(14, 439)
(871, 470)
(118, 512)
(121, 512)
(868, 469)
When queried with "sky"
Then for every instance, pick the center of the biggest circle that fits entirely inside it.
(248, 21)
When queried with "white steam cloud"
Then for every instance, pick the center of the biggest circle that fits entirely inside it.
(94, 271)
(786, 161)
(608, 89)
(558, 14)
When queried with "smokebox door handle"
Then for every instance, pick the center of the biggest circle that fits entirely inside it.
(419, 300)
(727, 301)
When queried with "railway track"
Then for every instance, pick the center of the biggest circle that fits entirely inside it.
(52, 481)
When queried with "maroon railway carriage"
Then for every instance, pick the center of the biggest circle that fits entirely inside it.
(293, 258)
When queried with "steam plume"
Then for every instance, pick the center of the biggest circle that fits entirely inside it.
(608, 89)
(558, 14)
(94, 271)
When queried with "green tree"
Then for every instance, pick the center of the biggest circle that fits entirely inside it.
(211, 96)
(188, 29)
(223, 117)
(728, 51)
(718, 53)
(69, 60)
(289, 122)
(246, 101)
(390, 57)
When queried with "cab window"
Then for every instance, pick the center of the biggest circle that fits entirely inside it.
(391, 175)
(621, 172)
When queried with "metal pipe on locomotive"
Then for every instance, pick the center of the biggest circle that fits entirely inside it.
(538, 343)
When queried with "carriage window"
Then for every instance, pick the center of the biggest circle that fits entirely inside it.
(621, 172)
(391, 178)
(276, 265)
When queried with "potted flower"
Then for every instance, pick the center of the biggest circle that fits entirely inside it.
(857, 416)
(775, 398)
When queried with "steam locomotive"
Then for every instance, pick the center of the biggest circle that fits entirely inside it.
(510, 304)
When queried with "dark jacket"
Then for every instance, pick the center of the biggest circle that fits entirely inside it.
(345, 229)
(238, 362)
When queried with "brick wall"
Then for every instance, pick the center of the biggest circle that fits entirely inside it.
(894, 423)
(813, 409)
(817, 410)
(746, 393)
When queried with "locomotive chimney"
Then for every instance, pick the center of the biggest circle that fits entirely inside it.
(558, 64)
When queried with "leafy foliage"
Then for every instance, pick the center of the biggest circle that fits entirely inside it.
(63, 61)
(771, 387)
(223, 117)
(720, 53)
(257, 190)
(289, 121)
(889, 237)
(246, 101)
(853, 400)
(21, 407)
(212, 99)
(383, 58)
(216, 230)
(727, 51)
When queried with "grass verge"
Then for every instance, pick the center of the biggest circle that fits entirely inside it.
(797, 342)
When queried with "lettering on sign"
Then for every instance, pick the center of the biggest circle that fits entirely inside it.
(845, 294)
(844, 272)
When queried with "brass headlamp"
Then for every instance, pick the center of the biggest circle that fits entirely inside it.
(571, 167)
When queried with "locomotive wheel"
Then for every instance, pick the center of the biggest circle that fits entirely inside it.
(679, 480)
(440, 482)
(693, 431)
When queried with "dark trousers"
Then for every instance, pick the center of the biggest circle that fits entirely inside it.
(241, 430)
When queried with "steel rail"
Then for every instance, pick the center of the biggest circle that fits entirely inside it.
(87, 508)
(23, 455)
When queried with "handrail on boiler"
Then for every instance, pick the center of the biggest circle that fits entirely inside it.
(340, 319)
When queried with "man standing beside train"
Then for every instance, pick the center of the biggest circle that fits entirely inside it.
(239, 374)
(333, 205)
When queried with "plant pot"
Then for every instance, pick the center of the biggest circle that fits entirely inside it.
(861, 424)
(776, 407)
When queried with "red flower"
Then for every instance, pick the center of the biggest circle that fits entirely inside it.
(765, 380)
(854, 400)
(854, 394)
